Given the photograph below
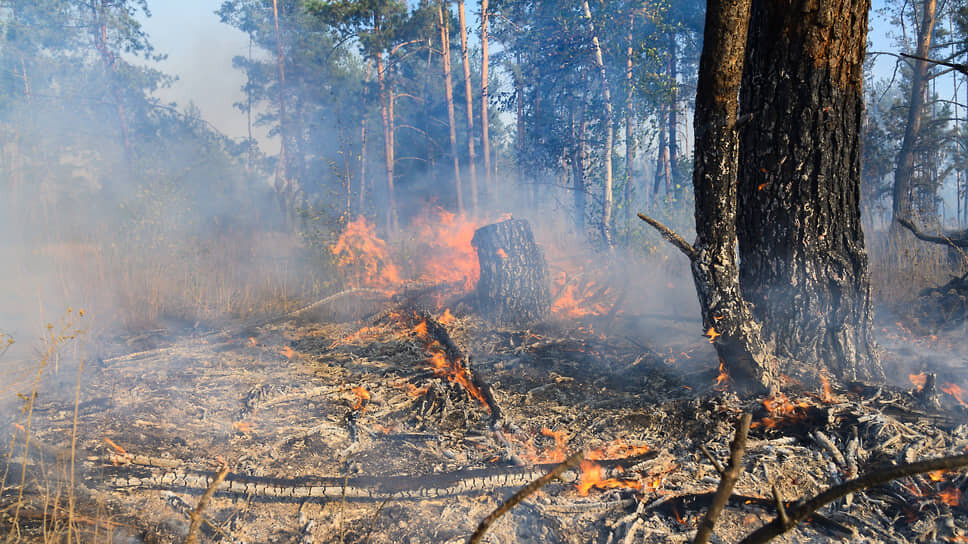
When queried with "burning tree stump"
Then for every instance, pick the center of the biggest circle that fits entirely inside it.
(514, 286)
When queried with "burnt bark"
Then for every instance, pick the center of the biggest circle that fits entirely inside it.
(804, 267)
(514, 286)
(727, 318)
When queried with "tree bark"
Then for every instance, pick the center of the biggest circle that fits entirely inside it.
(803, 263)
(386, 113)
(607, 197)
(514, 286)
(673, 161)
(727, 318)
(904, 171)
(629, 143)
(471, 158)
(449, 95)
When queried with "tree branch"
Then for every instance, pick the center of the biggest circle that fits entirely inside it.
(875, 477)
(960, 67)
(727, 481)
(672, 237)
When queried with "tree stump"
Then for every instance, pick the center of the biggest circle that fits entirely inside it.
(514, 287)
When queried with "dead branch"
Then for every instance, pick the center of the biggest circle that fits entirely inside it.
(959, 67)
(196, 515)
(729, 476)
(875, 477)
(524, 493)
(672, 236)
(954, 239)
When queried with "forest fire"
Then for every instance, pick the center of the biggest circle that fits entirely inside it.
(362, 397)
(447, 367)
(782, 411)
(592, 476)
(579, 296)
(365, 256)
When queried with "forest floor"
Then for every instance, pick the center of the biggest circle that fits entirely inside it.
(357, 409)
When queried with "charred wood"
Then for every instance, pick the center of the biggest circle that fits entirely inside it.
(514, 287)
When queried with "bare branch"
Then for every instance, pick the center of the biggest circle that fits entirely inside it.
(729, 478)
(672, 237)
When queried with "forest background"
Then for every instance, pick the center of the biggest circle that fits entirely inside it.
(148, 199)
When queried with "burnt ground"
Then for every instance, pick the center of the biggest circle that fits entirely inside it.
(283, 401)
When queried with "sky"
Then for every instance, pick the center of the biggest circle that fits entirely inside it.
(200, 50)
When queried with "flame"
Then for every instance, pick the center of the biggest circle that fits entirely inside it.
(591, 476)
(447, 255)
(501, 253)
(712, 334)
(579, 298)
(723, 379)
(362, 395)
(362, 333)
(618, 449)
(117, 449)
(954, 391)
(918, 380)
(453, 370)
(782, 411)
(365, 255)
(950, 496)
(252, 341)
(937, 475)
(415, 391)
(287, 352)
(827, 395)
(446, 318)
(558, 454)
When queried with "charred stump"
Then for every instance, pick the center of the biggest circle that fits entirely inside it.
(514, 286)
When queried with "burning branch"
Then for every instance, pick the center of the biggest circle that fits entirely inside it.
(875, 477)
(728, 476)
(524, 493)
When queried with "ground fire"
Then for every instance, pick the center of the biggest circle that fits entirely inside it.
(642, 272)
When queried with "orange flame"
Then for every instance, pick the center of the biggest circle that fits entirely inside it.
(579, 298)
(954, 391)
(447, 255)
(252, 341)
(365, 256)
(453, 370)
(723, 379)
(362, 395)
(950, 496)
(712, 334)
(591, 476)
(618, 449)
(446, 318)
(782, 411)
(557, 454)
(827, 395)
(919, 380)
(287, 352)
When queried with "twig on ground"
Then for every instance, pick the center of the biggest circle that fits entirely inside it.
(524, 493)
(729, 476)
(876, 476)
(379, 509)
(196, 515)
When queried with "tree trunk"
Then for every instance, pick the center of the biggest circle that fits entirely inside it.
(514, 287)
(386, 113)
(485, 60)
(673, 162)
(803, 263)
(366, 86)
(629, 143)
(726, 316)
(905, 159)
(111, 70)
(580, 169)
(471, 158)
(284, 186)
(449, 94)
(607, 197)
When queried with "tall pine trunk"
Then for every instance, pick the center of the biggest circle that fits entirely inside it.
(903, 201)
(485, 61)
(629, 143)
(386, 114)
(465, 61)
(449, 95)
(672, 164)
(803, 263)
(607, 196)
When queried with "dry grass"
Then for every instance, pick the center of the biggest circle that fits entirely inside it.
(899, 271)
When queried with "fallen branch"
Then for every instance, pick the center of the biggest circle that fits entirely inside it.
(196, 515)
(524, 493)
(954, 239)
(875, 477)
(728, 476)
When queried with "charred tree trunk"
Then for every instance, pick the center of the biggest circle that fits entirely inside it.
(905, 159)
(803, 263)
(514, 287)
(727, 318)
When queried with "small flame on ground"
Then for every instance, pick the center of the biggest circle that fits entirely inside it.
(950, 496)
(558, 454)
(362, 395)
(722, 380)
(712, 334)
(591, 476)
(827, 395)
(287, 352)
(618, 449)
(453, 371)
(782, 410)
(955, 391)
(919, 380)
(446, 318)
(252, 341)
(363, 253)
